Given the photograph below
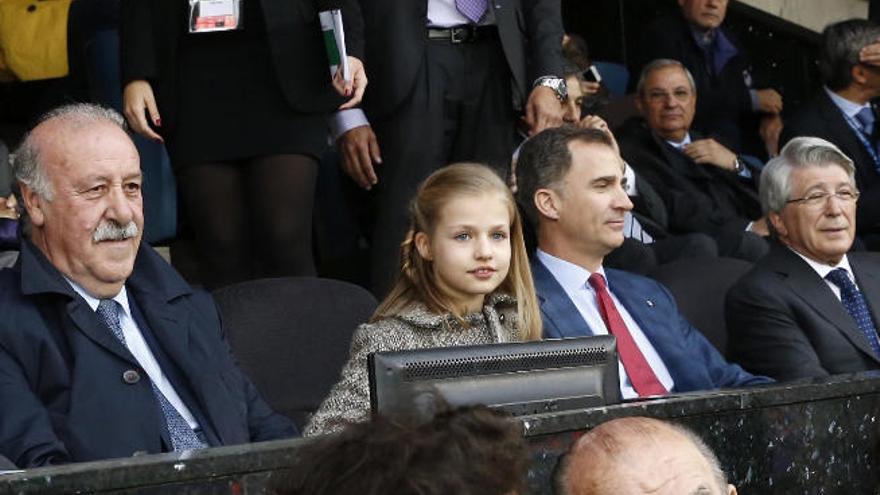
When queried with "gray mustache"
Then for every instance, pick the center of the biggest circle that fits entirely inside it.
(112, 231)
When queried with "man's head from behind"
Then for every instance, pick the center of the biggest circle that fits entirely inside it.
(640, 456)
(839, 58)
(808, 194)
(667, 98)
(570, 186)
(704, 14)
(80, 180)
(469, 451)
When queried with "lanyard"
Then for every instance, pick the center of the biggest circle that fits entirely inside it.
(864, 139)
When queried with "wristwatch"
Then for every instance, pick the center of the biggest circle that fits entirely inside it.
(738, 165)
(557, 84)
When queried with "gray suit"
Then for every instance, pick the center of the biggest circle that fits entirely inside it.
(785, 322)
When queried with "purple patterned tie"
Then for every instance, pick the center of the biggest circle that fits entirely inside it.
(474, 10)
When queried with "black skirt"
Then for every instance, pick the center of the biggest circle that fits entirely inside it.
(230, 105)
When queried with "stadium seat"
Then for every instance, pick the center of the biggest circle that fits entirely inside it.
(291, 336)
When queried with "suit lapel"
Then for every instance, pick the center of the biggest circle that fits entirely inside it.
(88, 322)
(806, 284)
(556, 306)
(866, 273)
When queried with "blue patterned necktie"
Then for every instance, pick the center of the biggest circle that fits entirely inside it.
(182, 436)
(856, 306)
(865, 117)
(474, 10)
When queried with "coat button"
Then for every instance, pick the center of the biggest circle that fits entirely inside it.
(131, 377)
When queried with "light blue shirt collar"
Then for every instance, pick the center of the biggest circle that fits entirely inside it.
(849, 108)
(121, 297)
(570, 276)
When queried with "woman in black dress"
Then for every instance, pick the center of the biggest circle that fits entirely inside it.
(243, 114)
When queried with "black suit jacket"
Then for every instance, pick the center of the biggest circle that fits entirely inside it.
(723, 101)
(698, 198)
(150, 31)
(62, 393)
(820, 117)
(395, 33)
(785, 322)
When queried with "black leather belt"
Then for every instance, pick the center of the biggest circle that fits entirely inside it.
(463, 34)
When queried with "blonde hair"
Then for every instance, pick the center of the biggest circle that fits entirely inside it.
(416, 280)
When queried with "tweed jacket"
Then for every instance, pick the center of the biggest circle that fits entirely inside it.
(415, 328)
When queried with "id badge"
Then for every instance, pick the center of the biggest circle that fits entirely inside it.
(206, 16)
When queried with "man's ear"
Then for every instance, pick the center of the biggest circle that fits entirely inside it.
(858, 74)
(639, 106)
(423, 245)
(547, 203)
(731, 490)
(34, 204)
(775, 220)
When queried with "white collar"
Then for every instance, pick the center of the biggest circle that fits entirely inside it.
(121, 297)
(848, 107)
(824, 269)
(682, 143)
(570, 276)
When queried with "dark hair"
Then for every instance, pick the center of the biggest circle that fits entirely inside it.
(576, 51)
(841, 44)
(468, 451)
(544, 160)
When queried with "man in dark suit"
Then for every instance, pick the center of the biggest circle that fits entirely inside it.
(570, 186)
(729, 104)
(104, 350)
(705, 186)
(444, 84)
(842, 113)
(808, 309)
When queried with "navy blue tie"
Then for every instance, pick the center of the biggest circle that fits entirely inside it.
(856, 306)
(182, 436)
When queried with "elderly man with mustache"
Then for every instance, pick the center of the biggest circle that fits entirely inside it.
(104, 350)
(809, 308)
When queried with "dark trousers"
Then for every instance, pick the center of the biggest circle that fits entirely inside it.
(460, 109)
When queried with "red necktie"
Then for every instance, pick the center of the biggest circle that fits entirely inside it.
(642, 377)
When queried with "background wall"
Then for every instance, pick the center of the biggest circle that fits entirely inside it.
(813, 14)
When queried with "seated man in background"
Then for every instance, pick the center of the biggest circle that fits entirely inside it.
(468, 451)
(640, 456)
(731, 107)
(843, 114)
(104, 350)
(8, 213)
(570, 185)
(808, 309)
(705, 186)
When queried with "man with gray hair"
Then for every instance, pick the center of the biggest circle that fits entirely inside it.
(640, 456)
(104, 350)
(809, 308)
(842, 113)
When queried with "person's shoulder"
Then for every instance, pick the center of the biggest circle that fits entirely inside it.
(866, 261)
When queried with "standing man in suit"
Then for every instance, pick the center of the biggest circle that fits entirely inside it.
(730, 103)
(842, 113)
(570, 184)
(705, 186)
(104, 350)
(446, 79)
(808, 309)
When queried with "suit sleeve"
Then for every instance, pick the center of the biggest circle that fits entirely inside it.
(544, 32)
(138, 56)
(722, 373)
(26, 434)
(766, 338)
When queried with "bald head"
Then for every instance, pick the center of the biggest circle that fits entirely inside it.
(641, 456)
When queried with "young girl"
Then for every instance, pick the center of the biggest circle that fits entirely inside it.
(464, 280)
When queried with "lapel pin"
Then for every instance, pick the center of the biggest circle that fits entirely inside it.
(649, 302)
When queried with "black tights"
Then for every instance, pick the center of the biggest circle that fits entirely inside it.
(251, 218)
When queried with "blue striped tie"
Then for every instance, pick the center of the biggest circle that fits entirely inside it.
(182, 436)
(856, 306)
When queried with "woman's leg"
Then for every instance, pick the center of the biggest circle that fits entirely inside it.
(216, 207)
(281, 191)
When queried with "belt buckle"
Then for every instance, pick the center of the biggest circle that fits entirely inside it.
(458, 34)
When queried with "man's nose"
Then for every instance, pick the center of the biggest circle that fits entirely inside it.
(119, 206)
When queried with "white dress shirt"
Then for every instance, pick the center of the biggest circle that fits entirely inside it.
(134, 341)
(573, 279)
(823, 270)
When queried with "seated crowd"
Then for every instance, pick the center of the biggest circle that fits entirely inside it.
(107, 352)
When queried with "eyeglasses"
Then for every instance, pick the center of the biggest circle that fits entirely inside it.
(657, 96)
(820, 198)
